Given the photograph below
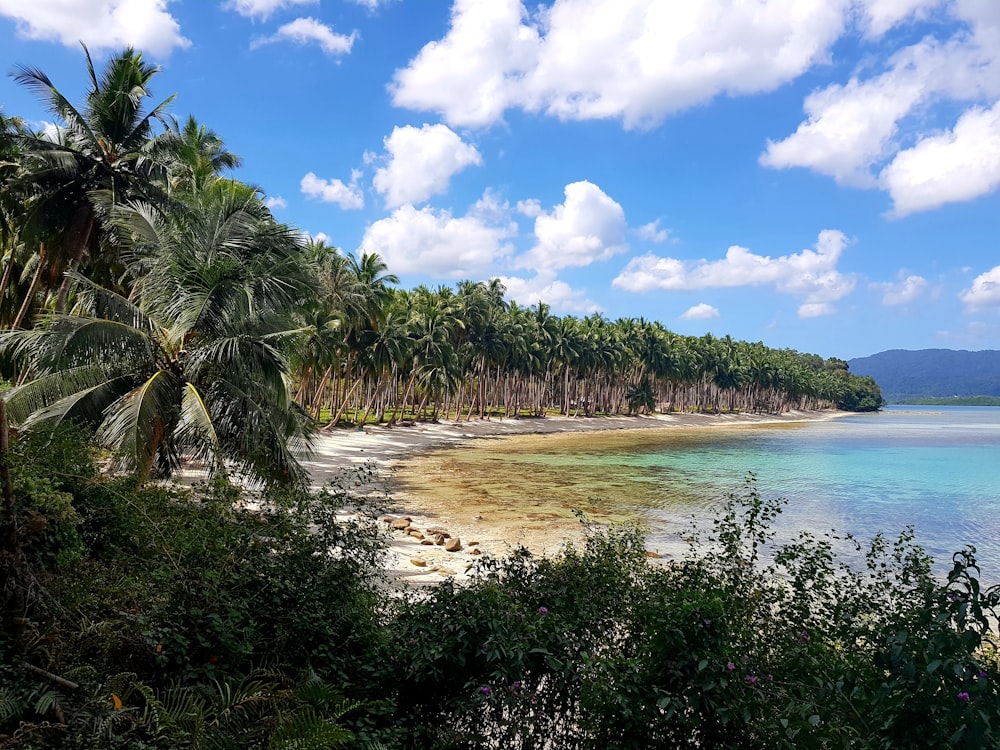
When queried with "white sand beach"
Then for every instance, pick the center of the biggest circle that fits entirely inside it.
(418, 561)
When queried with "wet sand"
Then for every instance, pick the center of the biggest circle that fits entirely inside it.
(422, 482)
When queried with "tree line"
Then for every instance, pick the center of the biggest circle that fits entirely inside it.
(147, 293)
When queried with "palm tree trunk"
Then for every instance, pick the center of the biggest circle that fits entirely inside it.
(32, 289)
(83, 238)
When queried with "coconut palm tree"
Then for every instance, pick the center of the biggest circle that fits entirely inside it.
(190, 365)
(98, 158)
(193, 154)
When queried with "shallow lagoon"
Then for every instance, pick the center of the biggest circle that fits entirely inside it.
(936, 468)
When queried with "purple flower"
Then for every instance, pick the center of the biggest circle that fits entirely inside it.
(804, 638)
(730, 667)
(964, 697)
(515, 685)
(750, 679)
(982, 674)
(486, 690)
(543, 610)
(707, 623)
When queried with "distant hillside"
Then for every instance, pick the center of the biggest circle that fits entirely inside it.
(931, 373)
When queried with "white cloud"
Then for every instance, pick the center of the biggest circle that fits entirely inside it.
(101, 24)
(984, 292)
(652, 232)
(588, 226)
(559, 295)
(638, 60)
(881, 15)
(810, 275)
(308, 30)
(908, 289)
(262, 9)
(849, 129)
(276, 201)
(702, 311)
(421, 163)
(435, 243)
(532, 208)
(957, 165)
(865, 127)
(334, 191)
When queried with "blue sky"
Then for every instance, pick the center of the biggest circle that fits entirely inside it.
(815, 174)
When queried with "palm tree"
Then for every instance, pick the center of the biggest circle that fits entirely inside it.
(99, 158)
(194, 155)
(192, 365)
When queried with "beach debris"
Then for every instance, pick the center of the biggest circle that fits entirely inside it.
(439, 532)
(415, 534)
(475, 552)
(427, 542)
(440, 539)
(453, 545)
(418, 562)
(473, 544)
(654, 555)
(401, 524)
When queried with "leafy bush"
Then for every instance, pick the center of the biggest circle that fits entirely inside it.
(162, 617)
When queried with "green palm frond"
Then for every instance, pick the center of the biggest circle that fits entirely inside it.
(85, 406)
(38, 83)
(137, 423)
(73, 340)
(105, 304)
(255, 365)
(257, 436)
(50, 389)
(196, 431)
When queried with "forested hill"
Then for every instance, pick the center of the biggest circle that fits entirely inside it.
(932, 373)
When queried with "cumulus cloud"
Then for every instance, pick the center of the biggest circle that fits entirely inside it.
(849, 129)
(958, 165)
(908, 289)
(588, 226)
(532, 207)
(984, 292)
(637, 60)
(421, 163)
(308, 31)
(810, 275)
(334, 191)
(262, 9)
(701, 311)
(860, 132)
(276, 201)
(652, 232)
(881, 15)
(101, 24)
(559, 295)
(434, 242)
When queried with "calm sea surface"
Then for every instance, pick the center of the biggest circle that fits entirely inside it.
(935, 468)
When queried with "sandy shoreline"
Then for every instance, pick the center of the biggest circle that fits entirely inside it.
(387, 447)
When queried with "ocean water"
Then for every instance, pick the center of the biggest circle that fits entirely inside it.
(936, 469)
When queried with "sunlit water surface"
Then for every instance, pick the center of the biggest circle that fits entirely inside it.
(934, 468)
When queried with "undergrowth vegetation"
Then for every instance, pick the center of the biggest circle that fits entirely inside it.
(164, 617)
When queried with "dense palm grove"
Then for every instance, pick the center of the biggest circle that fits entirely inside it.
(154, 311)
(153, 297)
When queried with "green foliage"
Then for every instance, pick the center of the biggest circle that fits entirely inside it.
(212, 618)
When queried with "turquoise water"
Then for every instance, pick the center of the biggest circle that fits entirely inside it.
(935, 468)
